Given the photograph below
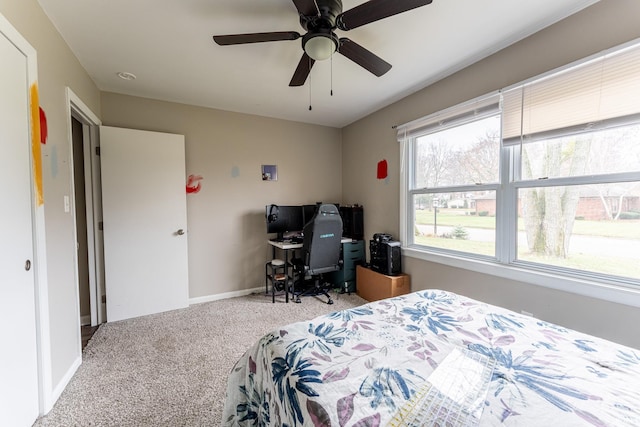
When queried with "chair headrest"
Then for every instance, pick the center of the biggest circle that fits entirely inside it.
(328, 209)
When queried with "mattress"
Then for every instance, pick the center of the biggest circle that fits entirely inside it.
(432, 358)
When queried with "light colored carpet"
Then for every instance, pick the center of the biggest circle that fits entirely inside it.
(171, 369)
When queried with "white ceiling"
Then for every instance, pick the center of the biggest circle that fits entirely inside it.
(168, 45)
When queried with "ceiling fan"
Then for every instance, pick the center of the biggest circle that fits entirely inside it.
(320, 18)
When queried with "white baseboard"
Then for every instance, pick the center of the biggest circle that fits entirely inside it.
(57, 391)
(216, 297)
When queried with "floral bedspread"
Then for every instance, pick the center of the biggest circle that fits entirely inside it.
(358, 367)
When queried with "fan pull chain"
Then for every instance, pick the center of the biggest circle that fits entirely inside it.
(331, 92)
(309, 85)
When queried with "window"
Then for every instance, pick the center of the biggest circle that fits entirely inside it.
(455, 176)
(542, 176)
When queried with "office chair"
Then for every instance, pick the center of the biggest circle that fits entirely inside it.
(320, 253)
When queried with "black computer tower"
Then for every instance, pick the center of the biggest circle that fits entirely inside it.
(352, 222)
(386, 257)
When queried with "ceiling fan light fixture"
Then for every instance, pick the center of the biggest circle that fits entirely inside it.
(320, 46)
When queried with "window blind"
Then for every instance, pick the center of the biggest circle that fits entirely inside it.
(599, 93)
(451, 117)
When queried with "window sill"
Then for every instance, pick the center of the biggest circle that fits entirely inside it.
(605, 291)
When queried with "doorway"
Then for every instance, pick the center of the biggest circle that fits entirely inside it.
(80, 206)
(87, 214)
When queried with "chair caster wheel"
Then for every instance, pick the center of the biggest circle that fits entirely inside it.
(297, 301)
(330, 302)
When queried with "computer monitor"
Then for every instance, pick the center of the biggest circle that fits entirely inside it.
(308, 211)
(284, 219)
(295, 216)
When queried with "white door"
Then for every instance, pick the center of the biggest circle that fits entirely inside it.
(18, 357)
(145, 222)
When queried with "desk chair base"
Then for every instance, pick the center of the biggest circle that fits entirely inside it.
(308, 289)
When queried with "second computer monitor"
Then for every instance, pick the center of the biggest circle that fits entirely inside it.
(308, 211)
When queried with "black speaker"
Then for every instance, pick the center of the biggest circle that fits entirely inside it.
(386, 257)
(352, 222)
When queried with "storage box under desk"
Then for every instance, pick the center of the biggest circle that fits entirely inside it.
(374, 286)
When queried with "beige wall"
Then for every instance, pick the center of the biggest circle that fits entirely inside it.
(601, 26)
(227, 235)
(57, 69)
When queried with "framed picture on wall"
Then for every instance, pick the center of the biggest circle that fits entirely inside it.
(269, 172)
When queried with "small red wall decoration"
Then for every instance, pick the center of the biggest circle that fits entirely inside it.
(193, 184)
(44, 132)
(382, 169)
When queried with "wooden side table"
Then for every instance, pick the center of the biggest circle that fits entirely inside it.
(374, 286)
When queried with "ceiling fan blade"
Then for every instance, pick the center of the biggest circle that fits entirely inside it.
(255, 37)
(374, 10)
(302, 71)
(361, 56)
(306, 7)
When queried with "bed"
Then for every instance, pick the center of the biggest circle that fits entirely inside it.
(432, 358)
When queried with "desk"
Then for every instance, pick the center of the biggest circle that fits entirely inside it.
(285, 247)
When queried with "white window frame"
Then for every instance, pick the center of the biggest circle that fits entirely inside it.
(505, 264)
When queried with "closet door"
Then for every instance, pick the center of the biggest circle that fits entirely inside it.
(18, 357)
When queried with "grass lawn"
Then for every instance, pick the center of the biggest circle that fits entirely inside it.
(482, 248)
(600, 263)
(625, 229)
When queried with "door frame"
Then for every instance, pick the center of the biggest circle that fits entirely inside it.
(90, 139)
(43, 339)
